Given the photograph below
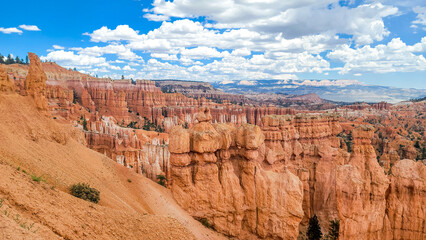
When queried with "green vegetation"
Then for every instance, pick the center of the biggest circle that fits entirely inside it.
(205, 222)
(168, 89)
(129, 180)
(314, 229)
(17, 218)
(133, 125)
(347, 138)
(37, 179)
(162, 180)
(84, 123)
(149, 126)
(11, 60)
(85, 192)
(418, 99)
(333, 230)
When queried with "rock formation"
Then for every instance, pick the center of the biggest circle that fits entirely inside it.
(35, 82)
(360, 190)
(217, 173)
(5, 84)
(250, 181)
(145, 152)
(218, 170)
(406, 200)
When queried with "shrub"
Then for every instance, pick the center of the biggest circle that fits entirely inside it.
(85, 192)
(162, 180)
(205, 222)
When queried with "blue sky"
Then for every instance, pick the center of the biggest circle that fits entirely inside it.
(375, 42)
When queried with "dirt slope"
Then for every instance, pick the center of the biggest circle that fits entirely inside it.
(34, 142)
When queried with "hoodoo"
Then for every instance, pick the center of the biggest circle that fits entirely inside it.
(35, 82)
(249, 182)
(217, 173)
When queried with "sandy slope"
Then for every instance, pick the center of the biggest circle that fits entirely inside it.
(36, 143)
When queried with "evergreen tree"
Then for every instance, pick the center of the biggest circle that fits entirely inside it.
(314, 229)
(333, 230)
(1, 59)
(27, 61)
(122, 77)
(10, 60)
(84, 123)
(17, 60)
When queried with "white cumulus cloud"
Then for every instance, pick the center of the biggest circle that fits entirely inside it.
(29, 27)
(10, 30)
(395, 56)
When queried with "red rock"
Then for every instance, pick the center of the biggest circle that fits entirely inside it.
(230, 188)
(35, 82)
(5, 84)
(406, 200)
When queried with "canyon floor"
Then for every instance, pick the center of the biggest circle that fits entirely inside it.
(33, 144)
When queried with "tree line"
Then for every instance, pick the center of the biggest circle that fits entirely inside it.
(11, 60)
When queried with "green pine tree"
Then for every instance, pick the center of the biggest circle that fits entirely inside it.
(314, 229)
(10, 60)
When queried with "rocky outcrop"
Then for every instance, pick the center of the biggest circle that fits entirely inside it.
(5, 84)
(406, 200)
(145, 152)
(218, 170)
(60, 101)
(35, 82)
(377, 106)
(361, 190)
(217, 173)
(307, 146)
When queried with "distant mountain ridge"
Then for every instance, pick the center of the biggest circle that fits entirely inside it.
(341, 90)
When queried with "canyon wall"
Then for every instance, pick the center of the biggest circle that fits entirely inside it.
(247, 181)
(217, 173)
(128, 100)
(145, 152)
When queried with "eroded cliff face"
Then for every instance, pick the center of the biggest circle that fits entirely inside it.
(406, 200)
(361, 190)
(145, 152)
(247, 181)
(128, 101)
(217, 173)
